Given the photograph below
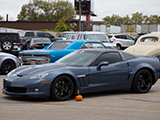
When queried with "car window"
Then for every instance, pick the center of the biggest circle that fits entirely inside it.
(120, 36)
(149, 39)
(92, 45)
(128, 56)
(47, 35)
(111, 57)
(60, 45)
(84, 58)
(40, 34)
(129, 37)
(29, 34)
(101, 37)
(109, 36)
(10, 36)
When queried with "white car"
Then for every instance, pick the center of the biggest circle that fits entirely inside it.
(122, 40)
(101, 36)
(65, 34)
(147, 45)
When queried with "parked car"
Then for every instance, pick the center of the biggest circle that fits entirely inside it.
(8, 62)
(71, 37)
(25, 40)
(39, 43)
(122, 40)
(85, 70)
(56, 50)
(10, 42)
(138, 35)
(101, 36)
(147, 45)
(66, 33)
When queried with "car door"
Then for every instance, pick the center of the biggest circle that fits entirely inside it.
(130, 40)
(111, 76)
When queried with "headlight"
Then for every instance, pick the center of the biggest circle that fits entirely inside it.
(39, 75)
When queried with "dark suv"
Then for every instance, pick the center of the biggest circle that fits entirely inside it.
(10, 42)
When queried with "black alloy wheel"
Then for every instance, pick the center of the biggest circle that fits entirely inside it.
(62, 88)
(7, 66)
(142, 82)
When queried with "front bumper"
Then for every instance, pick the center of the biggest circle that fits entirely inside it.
(35, 90)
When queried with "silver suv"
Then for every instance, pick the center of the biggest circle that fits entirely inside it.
(101, 36)
(122, 40)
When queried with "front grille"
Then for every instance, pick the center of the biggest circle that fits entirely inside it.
(27, 58)
(34, 55)
(17, 89)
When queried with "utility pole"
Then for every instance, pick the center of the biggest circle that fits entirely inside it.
(80, 12)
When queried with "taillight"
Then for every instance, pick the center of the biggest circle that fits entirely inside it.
(20, 55)
(113, 39)
(32, 46)
(21, 39)
(19, 45)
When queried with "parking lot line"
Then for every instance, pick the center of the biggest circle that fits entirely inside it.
(89, 107)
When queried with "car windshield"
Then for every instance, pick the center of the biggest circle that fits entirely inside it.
(64, 35)
(60, 45)
(78, 58)
(101, 37)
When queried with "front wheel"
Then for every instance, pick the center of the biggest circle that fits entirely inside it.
(62, 88)
(142, 82)
(7, 66)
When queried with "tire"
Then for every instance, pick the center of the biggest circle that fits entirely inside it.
(7, 46)
(119, 47)
(28, 46)
(142, 82)
(62, 88)
(7, 66)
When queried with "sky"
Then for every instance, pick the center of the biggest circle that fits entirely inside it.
(102, 8)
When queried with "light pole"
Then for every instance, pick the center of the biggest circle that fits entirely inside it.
(80, 11)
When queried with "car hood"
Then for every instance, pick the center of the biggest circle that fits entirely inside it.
(34, 69)
(40, 51)
(141, 49)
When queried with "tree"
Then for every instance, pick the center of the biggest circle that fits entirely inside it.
(126, 20)
(1, 18)
(39, 10)
(61, 26)
(137, 18)
(113, 20)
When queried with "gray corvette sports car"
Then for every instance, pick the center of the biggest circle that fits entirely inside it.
(87, 70)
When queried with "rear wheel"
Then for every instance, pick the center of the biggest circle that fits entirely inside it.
(119, 47)
(62, 88)
(142, 82)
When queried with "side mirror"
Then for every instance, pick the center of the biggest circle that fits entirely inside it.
(105, 63)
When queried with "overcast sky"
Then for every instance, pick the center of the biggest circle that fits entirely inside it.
(102, 8)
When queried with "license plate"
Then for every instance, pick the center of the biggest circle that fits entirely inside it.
(33, 62)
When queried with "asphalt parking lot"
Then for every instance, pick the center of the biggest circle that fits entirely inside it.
(111, 105)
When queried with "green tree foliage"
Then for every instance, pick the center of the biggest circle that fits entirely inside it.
(39, 10)
(130, 29)
(61, 26)
(136, 18)
(1, 18)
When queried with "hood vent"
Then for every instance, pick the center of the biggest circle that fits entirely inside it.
(19, 75)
